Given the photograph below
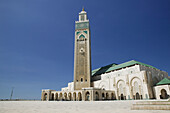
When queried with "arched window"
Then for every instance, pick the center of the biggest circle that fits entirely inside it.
(82, 17)
(81, 79)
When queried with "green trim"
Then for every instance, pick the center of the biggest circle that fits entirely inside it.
(85, 32)
(78, 32)
(82, 25)
(165, 81)
(81, 36)
(114, 66)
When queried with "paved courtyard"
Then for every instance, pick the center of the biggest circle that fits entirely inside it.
(71, 107)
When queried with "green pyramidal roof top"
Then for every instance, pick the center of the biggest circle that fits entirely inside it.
(114, 66)
(163, 82)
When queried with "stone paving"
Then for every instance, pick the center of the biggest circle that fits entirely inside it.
(72, 107)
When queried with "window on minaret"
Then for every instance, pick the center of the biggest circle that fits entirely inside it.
(82, 17)
(81, 79)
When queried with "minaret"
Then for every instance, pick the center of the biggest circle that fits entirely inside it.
(82, 53)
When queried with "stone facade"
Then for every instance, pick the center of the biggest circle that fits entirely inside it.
(126, 81)
(162, 91)
(82, 53)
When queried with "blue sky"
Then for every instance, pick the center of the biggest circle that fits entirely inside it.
(37, 39)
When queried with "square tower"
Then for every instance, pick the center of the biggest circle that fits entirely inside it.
(82, 53)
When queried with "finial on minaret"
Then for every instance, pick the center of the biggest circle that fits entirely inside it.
(83, 8)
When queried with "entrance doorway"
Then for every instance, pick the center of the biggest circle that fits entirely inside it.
(79, 97)
(52, 98)
(87, 96)
(122, 97)
(74, 96)
(163, 94)
(107, 96)
(97, 96)
(69, 96)
(137, 96)
(45, 96)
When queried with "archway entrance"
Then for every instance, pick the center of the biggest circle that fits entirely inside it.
(52, 98)
(74, 96)
(69, 96)
(60, 96)
(45, 96)
(65, 96)
(87, 96)
(79, 97)
(56, 96)
(163, 94)
(122, 97)
(107, 96)
(113, 96)
(97, 96)
(137, 96)
(103, 96)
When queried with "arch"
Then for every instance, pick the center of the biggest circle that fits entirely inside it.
(45, 96)
(69, 96)
(122, 97)
(103, 96)
(113, 96)
(52, 96)
(121, 89)
(137, 96)
(164, 94)
(119, 82)
(97, 96)
(65, 96)
(56, 96)
(60, 96)
(103, 85)
(79, 96)
(74, 96)
(107, 96)
(87, 97)
(136, 88)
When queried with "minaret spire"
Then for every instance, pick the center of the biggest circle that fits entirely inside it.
(83, 8)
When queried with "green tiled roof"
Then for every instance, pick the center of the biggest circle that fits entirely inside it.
(114, 66)
(163, 82)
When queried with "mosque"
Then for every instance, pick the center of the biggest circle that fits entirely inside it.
(126, 81)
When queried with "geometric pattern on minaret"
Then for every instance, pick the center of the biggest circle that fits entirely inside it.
(82, 53)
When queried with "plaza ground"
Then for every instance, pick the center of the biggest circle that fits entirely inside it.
(72, 107)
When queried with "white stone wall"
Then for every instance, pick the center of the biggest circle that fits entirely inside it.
(108, 79)
(124, 78)
(69, 88)
(157, 90)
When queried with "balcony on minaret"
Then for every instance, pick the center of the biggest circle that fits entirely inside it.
(83, 22)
